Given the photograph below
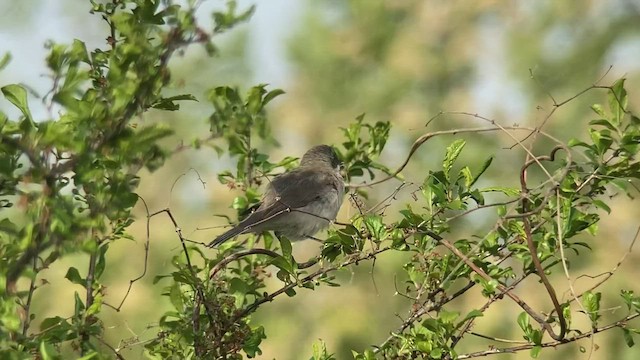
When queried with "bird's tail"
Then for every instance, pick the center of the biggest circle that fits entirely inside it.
(243, 227)
(236, 230)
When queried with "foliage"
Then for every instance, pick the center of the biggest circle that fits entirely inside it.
(68, 185)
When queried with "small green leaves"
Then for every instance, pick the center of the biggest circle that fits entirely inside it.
(453, 151)
(251, 346)
(225, 20)
(320, 352)
(375, 227)
(591, 303)
(236, 119)
(631, 300)
(530, 334)
(366, 355)
(342, 242)
(170, 102)
(286, 263)
(362, 146)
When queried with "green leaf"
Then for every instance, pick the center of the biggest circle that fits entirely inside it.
(601, 139)
(271, 95)
(101, 260)
(628, 337)
(285, 265)
(285, 244)
(484, 168)
(375, 227)
(48, 351)
(79, 51)
(597, 108)
(535, 351)
(448, 317)
(471, 315)
(501, 210)
(320, 352)
(290, 292)
(602, 205)
(73, 275)
(453, 151)
(78, 304)
(51, 322)
(465, 173)
(603, 122)
(17, 95)
(618, 101)
(591, 302)
(524, 322)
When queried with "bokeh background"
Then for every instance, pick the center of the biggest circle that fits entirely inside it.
(402, 61)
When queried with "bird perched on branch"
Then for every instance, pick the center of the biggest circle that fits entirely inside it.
(298, 203)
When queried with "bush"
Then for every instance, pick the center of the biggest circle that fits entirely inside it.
(68, 185)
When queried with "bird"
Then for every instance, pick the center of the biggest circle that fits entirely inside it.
(298, 203)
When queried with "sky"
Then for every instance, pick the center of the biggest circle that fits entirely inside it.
(27, 25)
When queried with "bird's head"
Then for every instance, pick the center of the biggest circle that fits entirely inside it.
(321, 155)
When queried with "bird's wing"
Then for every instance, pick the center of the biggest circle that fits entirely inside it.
(286, 192)
(297, 189)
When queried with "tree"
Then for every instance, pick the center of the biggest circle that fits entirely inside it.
(69, 185)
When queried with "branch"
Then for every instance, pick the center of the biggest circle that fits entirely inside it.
(534, 251)
(424, 138)
(197, 285)
(147, 245)
(27, 307)
(238, 255)
(620, 323)
(537, 317)
(269, 297)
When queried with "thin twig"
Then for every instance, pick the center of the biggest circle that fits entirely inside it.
(619, 323)
(147, 245)
(537, 317)
(536, 260)
(424, 138)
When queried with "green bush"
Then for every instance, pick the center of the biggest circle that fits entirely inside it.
(68, 185)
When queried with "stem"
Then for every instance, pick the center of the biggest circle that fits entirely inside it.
(27, 306)
(89, 299)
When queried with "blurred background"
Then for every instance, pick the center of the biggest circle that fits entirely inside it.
(402, 61)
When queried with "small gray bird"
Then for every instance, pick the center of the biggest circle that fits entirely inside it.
(298, 203)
